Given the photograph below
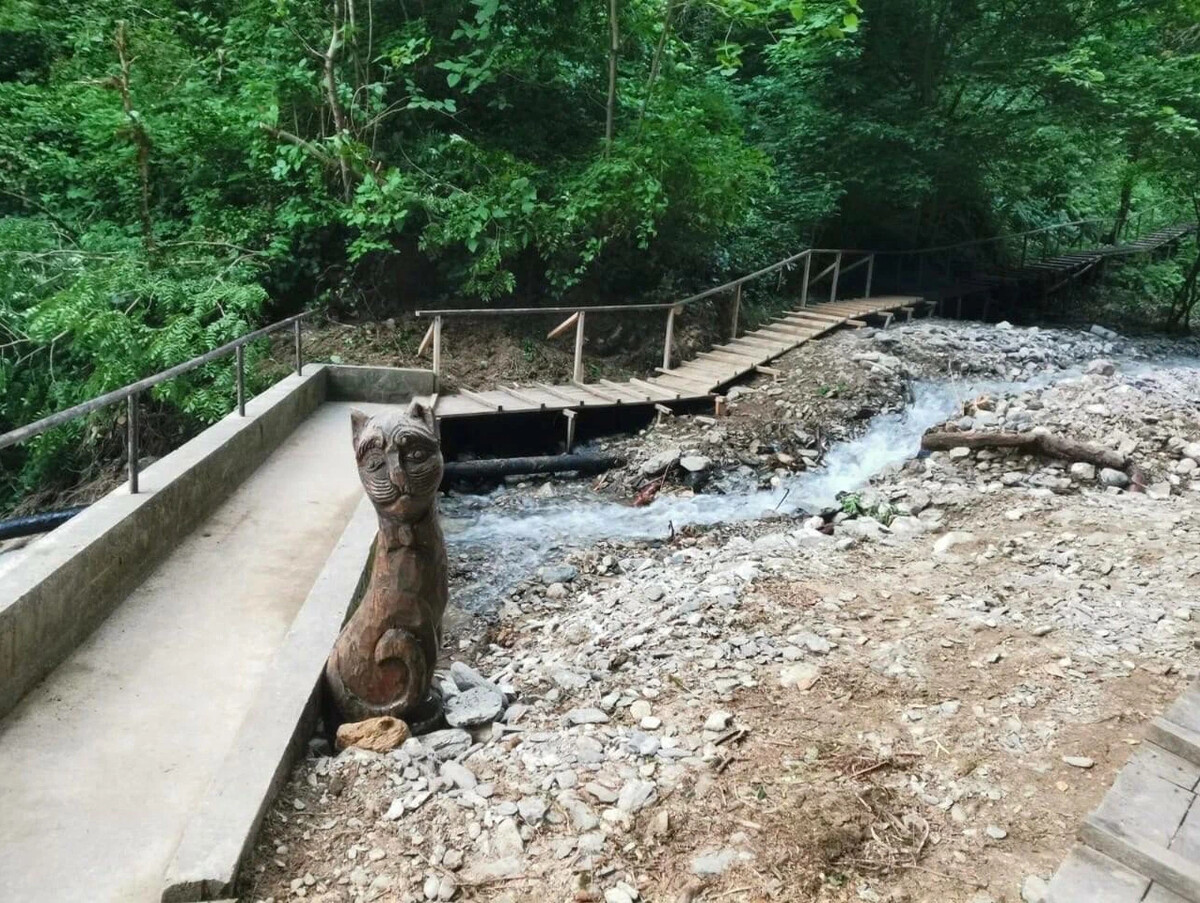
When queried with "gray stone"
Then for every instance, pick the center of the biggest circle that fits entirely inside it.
(557, 573)
(467, 678)
(801, 676)
(446, 744)
(711, 863)
(695, 463)
(1079, 761)
(1112, 477)
(532, 809)
(995, 832)
(459, 775)
(636, 795)
(1192, 451)
(506, 839)
(660, 462)
(1081, 470)
(474, 707)
(587, 715)
(718, 721)
(1101, 367)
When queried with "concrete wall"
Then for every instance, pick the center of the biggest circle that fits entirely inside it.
(70, 580)
(386, 385)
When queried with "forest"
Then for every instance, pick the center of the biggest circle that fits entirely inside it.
(174, 173)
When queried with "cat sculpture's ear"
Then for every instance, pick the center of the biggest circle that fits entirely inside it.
(357, 421)
(421, 412)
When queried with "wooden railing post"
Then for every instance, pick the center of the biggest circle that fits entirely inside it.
(131, 422)
(804, 290)
(870, 274)
(737, 304)
(670, 338)
(578, 371)
(837, 268)
(296, 342)
(437, 353)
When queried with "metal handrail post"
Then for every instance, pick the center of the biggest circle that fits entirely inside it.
(131, 423)
(296, 342)
(437, 353)
(240, 367)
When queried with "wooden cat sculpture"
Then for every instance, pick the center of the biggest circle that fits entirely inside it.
(383, 660)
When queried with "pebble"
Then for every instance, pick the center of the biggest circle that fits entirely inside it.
(711, 863)
(1034, 890)
(996, 833)
(587, 715)
(718, 721)
(1111, 477)
(1079, 761)
(801, 676)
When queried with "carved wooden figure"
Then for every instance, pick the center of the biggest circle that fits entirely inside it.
(383, 660)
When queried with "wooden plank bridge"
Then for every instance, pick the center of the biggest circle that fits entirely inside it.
(697, 379)
(1142, 844)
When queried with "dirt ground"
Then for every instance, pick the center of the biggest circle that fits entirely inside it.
(916, 708)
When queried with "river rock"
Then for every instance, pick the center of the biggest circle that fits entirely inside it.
(587, 715)
(1112, 477)
(636, 795)
(1081, 470)
(446, 744)
(695, 463)
(467, 678)
(1101, 367)
(711, 863)
(477, 706)
(376, 734)
(1192, 451)
(660, 462)
(557, 573)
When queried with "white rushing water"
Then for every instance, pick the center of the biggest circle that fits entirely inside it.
(520, 532)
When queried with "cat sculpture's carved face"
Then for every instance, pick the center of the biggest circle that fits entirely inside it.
(399, 460)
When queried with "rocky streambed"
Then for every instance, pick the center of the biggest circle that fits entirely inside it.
(732, 694)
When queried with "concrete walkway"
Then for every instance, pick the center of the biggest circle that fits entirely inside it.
(101, 764)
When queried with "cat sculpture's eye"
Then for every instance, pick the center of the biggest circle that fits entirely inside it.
(374, 461)
(418, 455)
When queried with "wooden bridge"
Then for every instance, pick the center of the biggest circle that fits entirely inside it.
(700, 378)
(1142, 844)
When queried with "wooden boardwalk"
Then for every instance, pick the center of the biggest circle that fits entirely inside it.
(1142, 844)
(691, 380)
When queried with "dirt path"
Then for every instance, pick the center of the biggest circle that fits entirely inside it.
(917, 703)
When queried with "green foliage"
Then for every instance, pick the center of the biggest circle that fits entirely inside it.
(171, 172)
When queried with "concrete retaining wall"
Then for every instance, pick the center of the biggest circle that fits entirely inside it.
(221, 832)
(70, 580)
(386, 385)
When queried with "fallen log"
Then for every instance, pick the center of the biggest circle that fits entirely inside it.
(1037, 442)
(493, 468)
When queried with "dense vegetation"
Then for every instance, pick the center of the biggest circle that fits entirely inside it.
(175, 171)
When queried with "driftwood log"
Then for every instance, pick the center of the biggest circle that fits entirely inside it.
(1036, 442)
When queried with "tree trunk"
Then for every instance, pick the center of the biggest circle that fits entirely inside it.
(613, 46)
(1033, 442)
(137, 134)
(335, 106)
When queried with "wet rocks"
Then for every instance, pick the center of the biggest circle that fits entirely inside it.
(658, 463)
(1112, 477)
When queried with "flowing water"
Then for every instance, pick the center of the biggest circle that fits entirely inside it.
(513, 532)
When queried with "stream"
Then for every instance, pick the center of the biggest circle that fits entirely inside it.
(516, 531)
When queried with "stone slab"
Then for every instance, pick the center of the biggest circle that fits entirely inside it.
(221, 832)
(1185, 711)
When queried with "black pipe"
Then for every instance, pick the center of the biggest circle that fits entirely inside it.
(494, 468)
(37, 523)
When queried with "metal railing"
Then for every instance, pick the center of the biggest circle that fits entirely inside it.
(129, 394)
(578, 313)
